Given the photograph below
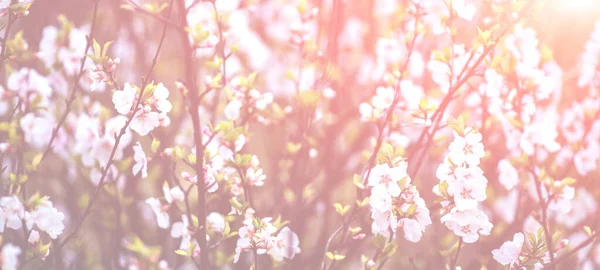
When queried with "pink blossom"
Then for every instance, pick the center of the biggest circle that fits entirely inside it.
(510, 251)
(141, 163)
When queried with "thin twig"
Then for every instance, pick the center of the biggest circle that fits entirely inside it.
(75, 89)
(118, 137)
(455, 259)
(573, 251)
(328, 244)
(166, 21)
(11, 20)
(461, 80)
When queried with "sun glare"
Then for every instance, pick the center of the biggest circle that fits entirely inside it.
(578, 5)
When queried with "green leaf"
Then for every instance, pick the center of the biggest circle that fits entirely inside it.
(354, 231)
(342, 210)
(532, 239)
(379, 241)
(35, 162)
(227, 229)
(105, 48)
(293, 148)
(390, 249)
(335, 256)
(358, 181)
(155, 145)
(363, 203)
(484, 36)
(567, 181)
(97, 50)
(182, 252)
(457, 125)
(309, 98)
(236, 204)
(224, 126)
(192, 158)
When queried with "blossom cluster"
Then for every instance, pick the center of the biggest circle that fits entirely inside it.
(395, 202)
(263, 237)
(463, 186)
(149, 106)
(37, 215)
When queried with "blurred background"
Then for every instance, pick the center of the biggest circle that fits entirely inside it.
(563, 25)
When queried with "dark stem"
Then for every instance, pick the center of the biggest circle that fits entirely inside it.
(190, 74)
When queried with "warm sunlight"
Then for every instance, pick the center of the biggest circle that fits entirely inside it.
(577, 5)
(299, 134)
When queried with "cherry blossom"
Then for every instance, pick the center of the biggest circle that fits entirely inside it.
(467, 148)
(388, 177)
(4, 4)
(463, 186)
(47, 219)
(463, 9)
(560, 195)
(11, 213)
(468, 225)
(145, 121)
(34, 237)
(28, 84)
(583, 205)
(586, 159)
(141, 163)
(10, 256)
(159, 99)
(510, 251)
(286, 245)
(468, 191)
(65, 45)
(180, 230)
(413, 230)
(589, 59)
(174, 194)
(216, 222)
(152, 111)
(35, 127)
(542, 133)
(95, 144)
(162, 217)
(395, 203)
(509, 176)
(101, 75)
(124, 99)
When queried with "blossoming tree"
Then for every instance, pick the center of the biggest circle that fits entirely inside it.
(297, 134)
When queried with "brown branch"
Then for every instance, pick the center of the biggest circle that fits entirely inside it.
(190, 74)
